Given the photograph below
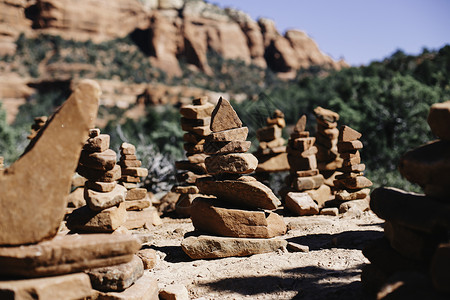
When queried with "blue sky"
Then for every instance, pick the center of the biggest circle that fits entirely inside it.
(359, 31)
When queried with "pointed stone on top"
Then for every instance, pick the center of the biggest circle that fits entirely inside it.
(301, 124)
(224, 117)
(347, 134)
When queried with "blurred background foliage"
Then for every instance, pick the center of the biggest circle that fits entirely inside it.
(387, 101)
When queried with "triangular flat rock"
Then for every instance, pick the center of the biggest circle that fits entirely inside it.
(347, 134)
(224, 117)
(301, 124)
(34, 189)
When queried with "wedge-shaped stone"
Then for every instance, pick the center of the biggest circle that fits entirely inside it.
(234, 163)
(64, 287)
(100, 186)
(127, 149)
(100, 175)
(268, 133)
(440, 266)
(137, 172)
(226, 147)
(236, 134)
(136, 194)
(67, 254)
(34, 188)
(347, 134)
(116, 278)
(301, 204)
(215, 217)
(326, 114)
(308, 183)
(105, 160)
(108, 220)
(273, 163)
(98, 143)
(136, 204)
(145, 288)
(224, 117)
(412, 210)
(197, 111)
(439, 120)
(345, 195)
(98, 201)
(427, 164)
(206, 246)
(349, 146)
(243, 192)
(300, 126)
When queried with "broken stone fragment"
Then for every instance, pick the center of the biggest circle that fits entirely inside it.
(301, 204)
(360, 204)
(98, 201)
(235, 163)
(105, 160)
(127, 149)
(98, 143)
(145, 287)
(118, 277)
(251, 193)
(67, 254)
(174, 292)
(148, 257)
(224, 117)
(108, 220)
(34, 188)
(205, 246)
(215, 217)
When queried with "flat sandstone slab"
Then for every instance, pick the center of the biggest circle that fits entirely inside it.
(245, 191)
(204, 246)
(64, 287)
(34, 188)
(67, 254)
(218, 218)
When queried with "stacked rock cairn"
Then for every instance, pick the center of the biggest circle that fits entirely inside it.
(35, 261)
(328, 160)
(195, 120)
(271, 153)
(104, 211)
(307, 193)
(412, 260)
(240, 213)
(352, 187)
(140, 212)
(39, 122)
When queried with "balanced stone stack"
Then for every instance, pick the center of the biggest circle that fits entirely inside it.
(35, 262)
(239, 219)
(195, 120)
(412, 260)
(105, 211)
(39, 122)
(352, 187)
(271, 153)
(140, 211)
(307, 193)
(328, 160)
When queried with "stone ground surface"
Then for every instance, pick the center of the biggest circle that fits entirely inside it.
(330, 270)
